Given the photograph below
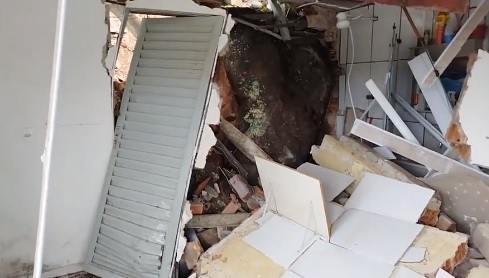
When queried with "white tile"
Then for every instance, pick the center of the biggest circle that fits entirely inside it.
(408, 36)
(413, 255)
(388, 15)
(294, 195)
(332, 182)
(362, 37)
(359, 75)
(390, 197)
(323, 259)
(378, 237)
(443, 274)
(290, 274)
(334, 211)
(404, 272)
(281, 240)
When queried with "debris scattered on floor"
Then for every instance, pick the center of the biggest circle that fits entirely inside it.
(274, 101)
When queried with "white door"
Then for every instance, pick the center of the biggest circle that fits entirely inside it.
(156, 136)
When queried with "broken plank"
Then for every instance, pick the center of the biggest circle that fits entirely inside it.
(390, 111)
(242, 142)
(414, 152)
(435, 94)
(217, 220)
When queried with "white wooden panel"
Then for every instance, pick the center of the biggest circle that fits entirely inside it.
(378, 75)
(151, 138)
(133, 242)
(171, 64)
(140, 197)
(195, 46)
(169, 73)
(156, 135)
(152, 148)
(150, 158)
(134, 230)
(124, 259)
(156, 119)
(136, 218)
(161, 81)
(151, 211)
(171, 28)
(120, 266)
(179, 37)
(173, 55)
(143, 187)
(138, 256)
(183, 21)
(162, 100)
(145, 177)
(165, 91)
(170, 172)
(160, 110)
(156, 129)
(388, 15)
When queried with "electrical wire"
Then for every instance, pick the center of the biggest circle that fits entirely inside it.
(349, 72)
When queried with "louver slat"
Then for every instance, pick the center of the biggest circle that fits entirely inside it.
(169, 73)
(171, 64)
(156, 136)
(155, 119)
(195, 46)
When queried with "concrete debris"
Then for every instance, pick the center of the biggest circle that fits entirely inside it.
(445, 223)
(354, 159)
(479, 272)
(480, 238)
(444, 250)
(241, 187)
(192, 252)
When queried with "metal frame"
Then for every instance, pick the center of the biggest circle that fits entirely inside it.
(188, 159)
(424, 122)
(391, 112)
(435, 95)
(422, 155)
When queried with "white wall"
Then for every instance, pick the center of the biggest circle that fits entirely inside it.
(371, 61)
(83, 135)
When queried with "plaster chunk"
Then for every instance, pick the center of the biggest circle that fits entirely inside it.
(444, 250)
(354, 159)
(479, 272)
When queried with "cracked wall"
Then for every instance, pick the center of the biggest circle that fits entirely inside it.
(83, 131)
